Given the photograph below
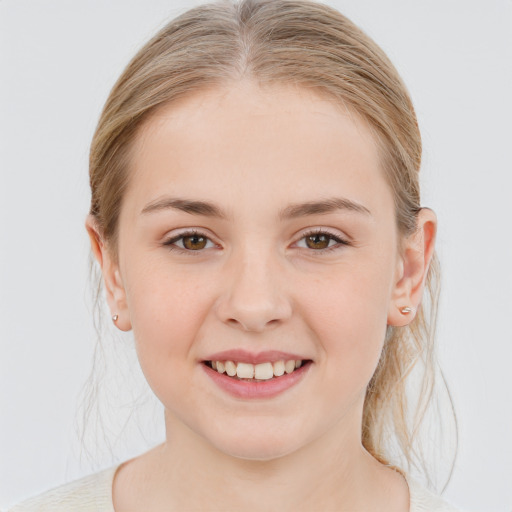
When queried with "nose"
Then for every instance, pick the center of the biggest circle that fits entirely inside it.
(254, 297)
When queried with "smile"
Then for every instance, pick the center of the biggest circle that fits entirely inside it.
(256, 381)
(255, 372)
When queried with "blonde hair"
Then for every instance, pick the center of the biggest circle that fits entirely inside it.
(310, 45)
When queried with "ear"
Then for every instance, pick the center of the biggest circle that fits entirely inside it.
(116, 295)
(412, 269)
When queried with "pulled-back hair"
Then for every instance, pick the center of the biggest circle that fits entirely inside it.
(310, 45)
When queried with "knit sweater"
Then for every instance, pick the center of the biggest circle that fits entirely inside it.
(93, 493)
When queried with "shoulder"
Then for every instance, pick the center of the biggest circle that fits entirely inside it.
(423, 500)
(92, 493)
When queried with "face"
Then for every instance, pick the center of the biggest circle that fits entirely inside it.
(257, 221)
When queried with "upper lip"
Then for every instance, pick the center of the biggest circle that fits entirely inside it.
(244, 356)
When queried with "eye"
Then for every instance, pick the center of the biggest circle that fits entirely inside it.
(191, 241)
(321, 240)
(194, 241)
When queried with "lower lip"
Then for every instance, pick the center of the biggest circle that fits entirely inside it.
(261, 389)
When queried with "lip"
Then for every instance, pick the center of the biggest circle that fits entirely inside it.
(244, 356)
(262, 389)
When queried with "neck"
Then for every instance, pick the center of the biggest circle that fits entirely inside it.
(333, 472)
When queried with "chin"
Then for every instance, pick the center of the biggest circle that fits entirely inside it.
(261, 444)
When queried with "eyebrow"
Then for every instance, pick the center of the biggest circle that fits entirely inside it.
(207, 209)
(330, 205)
(185, 205)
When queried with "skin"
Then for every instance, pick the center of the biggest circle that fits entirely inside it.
(258, 285)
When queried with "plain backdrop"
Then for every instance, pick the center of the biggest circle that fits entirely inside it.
(58, 61)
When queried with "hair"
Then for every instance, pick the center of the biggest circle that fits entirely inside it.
(309, 45)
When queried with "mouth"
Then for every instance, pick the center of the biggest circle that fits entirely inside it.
(261, 372)
(262, 381)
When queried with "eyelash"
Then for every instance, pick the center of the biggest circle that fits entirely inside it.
(339, 241)
(171, 241)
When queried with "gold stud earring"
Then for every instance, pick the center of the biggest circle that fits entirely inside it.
(114, 318)
(405, 310)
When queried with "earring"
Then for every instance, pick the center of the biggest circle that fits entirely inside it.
(114, 318)
(405, 310)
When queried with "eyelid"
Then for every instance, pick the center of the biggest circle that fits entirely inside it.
(342, 240)
(169, 240)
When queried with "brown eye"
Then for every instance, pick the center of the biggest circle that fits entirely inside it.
(318, 241)
(189, 242)
(194, 242)
(322, 241)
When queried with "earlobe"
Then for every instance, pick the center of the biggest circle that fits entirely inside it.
(116, 296)
(413, 269)
(114, 288)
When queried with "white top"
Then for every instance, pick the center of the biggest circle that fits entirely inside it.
(93, 493)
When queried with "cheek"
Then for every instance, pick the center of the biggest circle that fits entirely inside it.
(348, 314)
(166, 307)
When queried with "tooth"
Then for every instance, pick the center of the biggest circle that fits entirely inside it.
(278, 368)
(263, 371)
(230, 368)
(289, 366)
(298, 363)
(220, 366)
(244, 370)
(214, 365)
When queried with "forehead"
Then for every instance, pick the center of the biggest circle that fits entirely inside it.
(248, 105)
(277, 143)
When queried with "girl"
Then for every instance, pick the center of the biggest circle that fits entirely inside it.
(256, 216)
